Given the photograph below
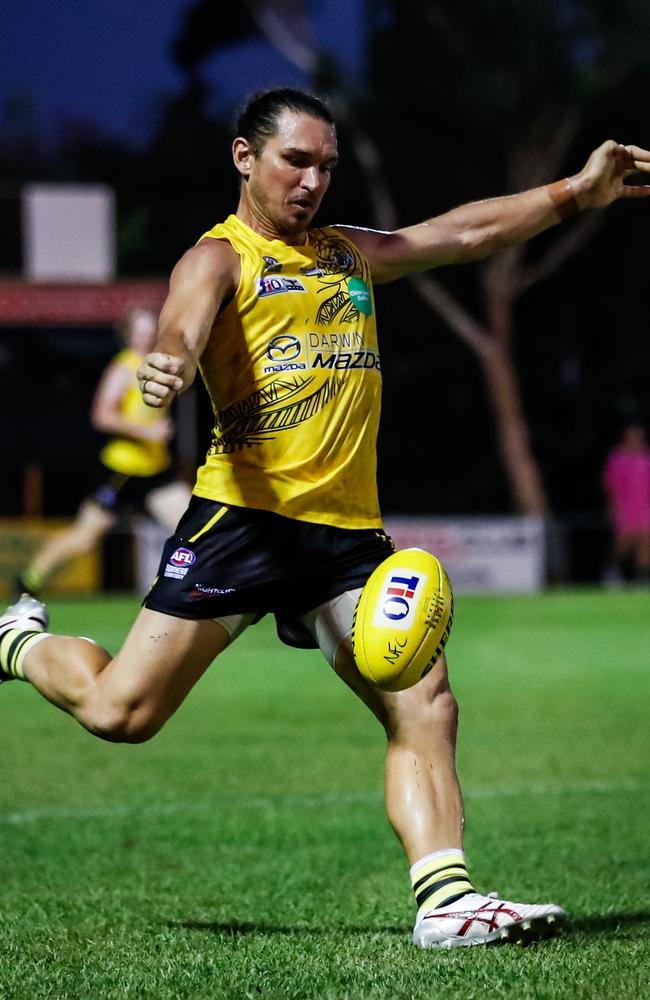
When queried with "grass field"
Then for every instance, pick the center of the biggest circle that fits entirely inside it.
(244, 851)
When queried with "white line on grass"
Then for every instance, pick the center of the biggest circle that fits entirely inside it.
(119, 810)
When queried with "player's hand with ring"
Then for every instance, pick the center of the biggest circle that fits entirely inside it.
(160, 377)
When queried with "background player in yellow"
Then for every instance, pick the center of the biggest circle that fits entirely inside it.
(236, 556)
(133, 467)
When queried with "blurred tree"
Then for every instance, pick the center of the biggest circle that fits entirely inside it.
(509, 88)
(464, 102)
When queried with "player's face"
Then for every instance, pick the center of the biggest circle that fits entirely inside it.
(292, 172)
(142, 331)
(634, 437)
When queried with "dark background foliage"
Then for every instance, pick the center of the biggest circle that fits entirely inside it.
(462, 102)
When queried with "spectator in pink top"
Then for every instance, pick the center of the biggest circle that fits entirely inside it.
(626, 480)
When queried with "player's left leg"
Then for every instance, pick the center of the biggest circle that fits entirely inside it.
(642, 565)
(423, 797)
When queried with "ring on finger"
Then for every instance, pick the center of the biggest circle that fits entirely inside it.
(144, 385)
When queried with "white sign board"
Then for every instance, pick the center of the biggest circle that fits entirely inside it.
(480, 554)
(68, 232)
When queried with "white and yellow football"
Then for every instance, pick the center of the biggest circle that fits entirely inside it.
(403, 619)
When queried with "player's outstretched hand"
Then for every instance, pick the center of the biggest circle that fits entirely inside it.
(601, 180)
(160, 377)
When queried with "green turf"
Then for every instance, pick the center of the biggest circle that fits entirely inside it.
(244, 851)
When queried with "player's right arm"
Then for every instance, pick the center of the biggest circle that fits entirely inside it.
(204, 280)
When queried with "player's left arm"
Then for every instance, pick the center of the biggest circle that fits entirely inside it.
(480, 228)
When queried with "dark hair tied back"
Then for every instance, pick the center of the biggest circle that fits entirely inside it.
(259, 119)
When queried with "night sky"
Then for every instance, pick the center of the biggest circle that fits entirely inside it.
(107, 62)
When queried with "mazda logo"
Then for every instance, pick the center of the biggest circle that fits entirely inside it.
(284, 348)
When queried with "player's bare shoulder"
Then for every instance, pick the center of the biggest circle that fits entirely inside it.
(211, 263)
(374, 244)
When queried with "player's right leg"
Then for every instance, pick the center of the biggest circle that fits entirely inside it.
(127, 698)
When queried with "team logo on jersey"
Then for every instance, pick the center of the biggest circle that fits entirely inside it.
(343, 259)
(271, 265)
(397, 602)
(179, 563)
(275, 285)
(360, 295)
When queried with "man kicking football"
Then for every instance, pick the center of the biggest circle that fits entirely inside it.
(279, 319)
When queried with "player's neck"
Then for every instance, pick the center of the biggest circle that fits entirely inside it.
(264, 227)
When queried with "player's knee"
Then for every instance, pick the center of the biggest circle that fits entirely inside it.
(439, 706)
(121, 723)
(424, 708)
(444, 709)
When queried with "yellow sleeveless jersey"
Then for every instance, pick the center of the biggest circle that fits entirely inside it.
(128, 456)
(292, 368)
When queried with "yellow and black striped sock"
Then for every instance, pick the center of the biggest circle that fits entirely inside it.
(14, 646)
(440, 879)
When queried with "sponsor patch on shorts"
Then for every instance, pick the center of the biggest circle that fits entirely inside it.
(201, 590)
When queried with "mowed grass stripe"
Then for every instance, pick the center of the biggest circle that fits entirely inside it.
(244, 851)
(289, 802)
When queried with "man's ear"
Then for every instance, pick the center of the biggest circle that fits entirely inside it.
(243, 156)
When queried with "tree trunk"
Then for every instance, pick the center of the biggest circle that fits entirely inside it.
(519, 464)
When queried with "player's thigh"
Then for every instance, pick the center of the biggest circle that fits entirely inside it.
(627, 542)
(160, 661)
(92, 520)
(168, 503)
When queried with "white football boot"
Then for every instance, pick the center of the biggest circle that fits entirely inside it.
(476, 919)
(26, 614)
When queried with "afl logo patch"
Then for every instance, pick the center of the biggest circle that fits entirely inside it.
(179, 563)
(182, 557)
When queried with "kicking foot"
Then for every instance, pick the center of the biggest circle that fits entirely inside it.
(27, 615)
(476, 919)
(20, 587)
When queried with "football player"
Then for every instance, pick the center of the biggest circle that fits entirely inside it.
(279, 318)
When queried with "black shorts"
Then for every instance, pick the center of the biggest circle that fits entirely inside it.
(234, 560)
(118, 493)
